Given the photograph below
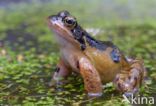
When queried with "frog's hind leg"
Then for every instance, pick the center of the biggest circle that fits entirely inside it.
(61, 72)
(131, 77)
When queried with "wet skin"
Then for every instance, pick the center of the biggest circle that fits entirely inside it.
(98, 62)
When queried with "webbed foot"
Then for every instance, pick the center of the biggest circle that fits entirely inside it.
(129, 81)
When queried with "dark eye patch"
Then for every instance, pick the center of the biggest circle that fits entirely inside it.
(78, 34)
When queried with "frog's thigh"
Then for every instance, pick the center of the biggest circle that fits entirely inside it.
(60, 73)
(91, 77)
(128, 81)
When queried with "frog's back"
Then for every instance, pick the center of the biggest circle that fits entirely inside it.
(104, 61)
(104, 55)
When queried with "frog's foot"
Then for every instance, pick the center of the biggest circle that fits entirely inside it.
(61, 72)
(91, 78)
(129, 80)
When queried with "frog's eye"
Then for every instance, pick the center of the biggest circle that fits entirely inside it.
(69, 21)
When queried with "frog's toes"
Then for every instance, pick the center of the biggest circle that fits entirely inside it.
(129, 94)
(129, 81)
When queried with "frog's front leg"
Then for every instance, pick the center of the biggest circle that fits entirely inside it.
(92, 81)
(130, 78)
(61, 72)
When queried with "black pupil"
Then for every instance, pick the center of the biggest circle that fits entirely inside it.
(71, 22)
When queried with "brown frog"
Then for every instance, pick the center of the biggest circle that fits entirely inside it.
(98, 62)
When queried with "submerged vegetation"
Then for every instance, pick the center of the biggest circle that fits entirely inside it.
(28, 54)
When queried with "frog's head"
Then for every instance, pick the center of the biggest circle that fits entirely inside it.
(63, 24)
(66, 27)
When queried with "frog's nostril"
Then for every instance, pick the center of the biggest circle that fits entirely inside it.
(54, 18)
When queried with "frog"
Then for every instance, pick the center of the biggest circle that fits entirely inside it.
(97, 62)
